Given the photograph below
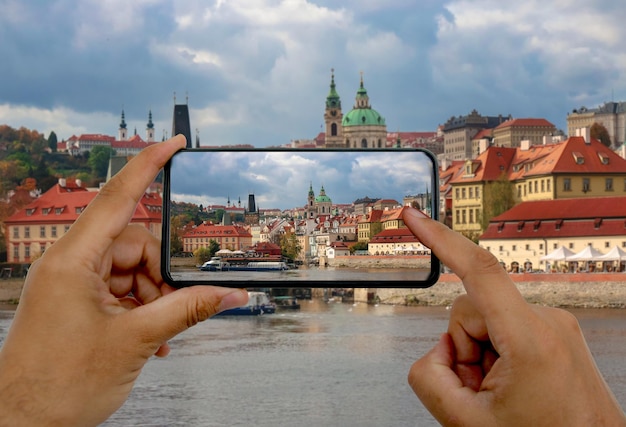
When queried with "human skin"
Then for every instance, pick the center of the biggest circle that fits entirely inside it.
(504, 362)
(78, 341)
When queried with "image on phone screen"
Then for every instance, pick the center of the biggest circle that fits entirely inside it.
(291, 218)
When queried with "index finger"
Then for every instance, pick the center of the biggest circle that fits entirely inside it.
(111, 210)
(487, 284)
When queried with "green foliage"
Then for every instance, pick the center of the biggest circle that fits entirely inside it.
(53, 141)
(498, 197)
(99, 160)
(204, 254)
(359, 246)
(289, 246)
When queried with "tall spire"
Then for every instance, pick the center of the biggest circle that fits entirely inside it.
(333, 100)
(150, 124)
(123, 122)
(362, 100)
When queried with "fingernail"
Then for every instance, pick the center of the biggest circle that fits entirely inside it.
(414, 213)
(236, 298)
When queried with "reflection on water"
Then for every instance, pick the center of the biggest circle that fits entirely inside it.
(328, 364)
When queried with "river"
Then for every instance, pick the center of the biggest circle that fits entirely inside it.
(329, 364)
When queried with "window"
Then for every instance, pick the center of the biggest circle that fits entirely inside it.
(27, 251)
(514, 248)
(463, 214)
(548, 185)
(608, 184)
(53, 231)
(586, 185)
(471, 192)
(16, 253)
(567, 184)
(536, 188)
(463, 193)
(571, 246)
(543, 188)
(27, 232)
(45, 211)
(607, 245)
(16, 233)
(527, 247)
(478, 192)
(471, 216)
(66, 228)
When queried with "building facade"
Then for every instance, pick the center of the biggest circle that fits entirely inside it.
(512, 132)
(31, 231)
(459, 132)
(612, 115)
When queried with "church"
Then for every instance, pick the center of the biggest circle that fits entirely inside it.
(320, 205)
(361, 127)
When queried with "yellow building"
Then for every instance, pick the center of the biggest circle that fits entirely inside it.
(579, 167)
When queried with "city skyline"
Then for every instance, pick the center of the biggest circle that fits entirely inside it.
(282, 179)
(257, 72)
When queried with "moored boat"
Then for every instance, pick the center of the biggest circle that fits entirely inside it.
(218, 264)
(286, 303)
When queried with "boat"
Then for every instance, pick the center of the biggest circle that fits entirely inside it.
(258, 304)
(286, 303)
(218, 264)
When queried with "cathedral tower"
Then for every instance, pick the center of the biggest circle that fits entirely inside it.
(150, 128)
(333, 116)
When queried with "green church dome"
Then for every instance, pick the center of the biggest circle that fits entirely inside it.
(363, 117)
(323, 199)
(363, 114)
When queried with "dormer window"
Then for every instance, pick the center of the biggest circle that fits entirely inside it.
(45, 211)
(30, 211)
(578, 158)
(604, 159)
(58, 211)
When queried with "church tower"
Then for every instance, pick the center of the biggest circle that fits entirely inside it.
(150, 128)
(311, 211)
(122, 134)
(333, 116)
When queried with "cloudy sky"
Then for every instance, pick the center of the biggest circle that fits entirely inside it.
(282, 179)
(258, 71)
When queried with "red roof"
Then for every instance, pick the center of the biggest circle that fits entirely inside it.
(595, 216)
(211, 230)
(530, 122)
(63, 205)
(578, 208)
(395, 235)
(483, 133)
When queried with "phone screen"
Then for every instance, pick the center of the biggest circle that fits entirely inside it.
(297, 218)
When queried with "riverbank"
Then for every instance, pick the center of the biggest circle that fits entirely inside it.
(578, 290)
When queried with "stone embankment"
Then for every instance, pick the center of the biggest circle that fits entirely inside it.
(579, 290)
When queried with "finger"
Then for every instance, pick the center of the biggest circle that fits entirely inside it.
(435, 383)
(485, 281)
(154, 324)
(111, 210)
(136, 264)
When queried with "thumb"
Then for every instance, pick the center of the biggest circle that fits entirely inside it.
(155, 323)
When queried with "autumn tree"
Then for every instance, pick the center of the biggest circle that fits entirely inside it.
(289, 246)
(498, 197)
(598, 131)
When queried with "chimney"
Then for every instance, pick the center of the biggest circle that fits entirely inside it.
(445, 164)
(62, 182)
(79, 183)
(525, 145)
(546, 139)
(586, 133)
(483, 144)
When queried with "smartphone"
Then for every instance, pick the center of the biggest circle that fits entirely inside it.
(291, 218)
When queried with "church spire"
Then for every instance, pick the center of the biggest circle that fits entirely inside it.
(122, 133)
(333, 100)
(150, 128)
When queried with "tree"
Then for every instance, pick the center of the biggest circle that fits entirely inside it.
(359, 246)
(289, 246)
(598, 131)
(53, 141)
(99, 160)
(498, 197)
(204, 254)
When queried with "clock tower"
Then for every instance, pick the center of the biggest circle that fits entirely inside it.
(333, 117)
